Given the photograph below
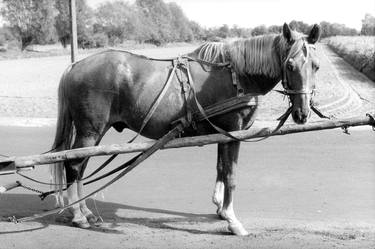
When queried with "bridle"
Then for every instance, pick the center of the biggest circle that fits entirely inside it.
(290, 92)
(284, 81)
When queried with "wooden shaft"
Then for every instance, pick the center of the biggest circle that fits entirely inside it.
(48, 158)
(9, 186)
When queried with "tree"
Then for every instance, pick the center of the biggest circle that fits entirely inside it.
(368, 25)
(331, 29)
(325, 29)
(223, 31)
(198, 32)
(259, 30)
(180, 24)
(158, 19)
(118, 20)
(300, 26)
(275, 29)
(30, 20)
(84, 22)
(6, 36)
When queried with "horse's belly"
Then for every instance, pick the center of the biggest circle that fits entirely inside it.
(170, 109)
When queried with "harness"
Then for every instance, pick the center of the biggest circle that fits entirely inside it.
(180, 67)
(194, 111)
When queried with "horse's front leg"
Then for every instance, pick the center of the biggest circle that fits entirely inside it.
(218, 195)
(229, 156)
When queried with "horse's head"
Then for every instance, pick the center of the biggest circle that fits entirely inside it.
(299, 66)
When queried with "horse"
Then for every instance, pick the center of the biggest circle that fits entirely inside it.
(115, 89)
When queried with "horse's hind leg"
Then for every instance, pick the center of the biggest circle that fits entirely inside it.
(229, 156)
(74, 172)
(91, 218)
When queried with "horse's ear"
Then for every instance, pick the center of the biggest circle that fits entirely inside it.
(314, 34)
(287, 33)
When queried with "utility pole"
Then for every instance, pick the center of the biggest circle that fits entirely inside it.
(73, 30)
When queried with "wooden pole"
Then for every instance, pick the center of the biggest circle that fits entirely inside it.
(27, 161)
(73, 30)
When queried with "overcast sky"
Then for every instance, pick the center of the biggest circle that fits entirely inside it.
(250, 13)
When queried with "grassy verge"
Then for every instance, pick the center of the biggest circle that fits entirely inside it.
(359, 51)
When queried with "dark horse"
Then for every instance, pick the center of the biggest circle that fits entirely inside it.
(116, 89)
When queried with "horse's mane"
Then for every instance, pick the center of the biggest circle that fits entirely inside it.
(260, 55)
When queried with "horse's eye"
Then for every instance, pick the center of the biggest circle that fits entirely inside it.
(315, 67)
(290, 65)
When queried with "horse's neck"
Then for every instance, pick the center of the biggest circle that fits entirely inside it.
(263, 79)
(258, 83)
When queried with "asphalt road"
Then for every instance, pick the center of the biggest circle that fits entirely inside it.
(318, 183)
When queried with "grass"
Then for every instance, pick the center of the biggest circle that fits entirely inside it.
(359, 51)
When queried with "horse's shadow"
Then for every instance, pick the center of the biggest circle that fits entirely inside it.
(116, 216)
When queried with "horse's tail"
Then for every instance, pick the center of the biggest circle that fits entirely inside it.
(63, 139)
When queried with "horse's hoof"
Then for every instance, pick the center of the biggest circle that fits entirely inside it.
(219, 214)
(92, 219)
(237, 229)
(81, 224)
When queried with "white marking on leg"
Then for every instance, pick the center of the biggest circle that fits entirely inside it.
(78, 218)
(91, 218)
(218, 196)
(234, 225)
(59, 200)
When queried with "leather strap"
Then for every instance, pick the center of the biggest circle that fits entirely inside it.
(227, 105)
(156, 102)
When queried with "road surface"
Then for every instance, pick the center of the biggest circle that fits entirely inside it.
(311, 190)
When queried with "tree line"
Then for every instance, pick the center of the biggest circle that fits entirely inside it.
(144, 21)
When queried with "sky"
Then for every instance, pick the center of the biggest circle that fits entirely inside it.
(251, 13)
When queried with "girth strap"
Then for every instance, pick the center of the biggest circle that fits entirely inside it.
(226, 106)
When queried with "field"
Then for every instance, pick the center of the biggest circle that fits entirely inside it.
(359, 51)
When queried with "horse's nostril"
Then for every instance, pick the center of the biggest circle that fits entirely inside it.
(300, 117)
(298, 114)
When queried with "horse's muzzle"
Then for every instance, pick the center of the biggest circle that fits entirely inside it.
(299, 116)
